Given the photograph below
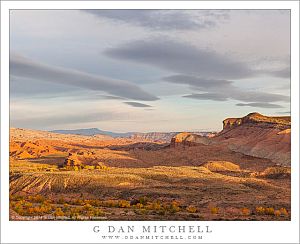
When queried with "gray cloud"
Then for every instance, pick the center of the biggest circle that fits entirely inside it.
(113, 97)
(184, 58)
(221, 90)
(165, 19)
(257, 96)
(208, 96)
(138, 105)
(26, 87)
(259, 105)
(197, 82)
(279, 66)
(181, 58)
(283, 73)
(26, 68)
(90, 96)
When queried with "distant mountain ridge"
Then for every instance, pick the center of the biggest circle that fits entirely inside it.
(93, 132)
(153, 136)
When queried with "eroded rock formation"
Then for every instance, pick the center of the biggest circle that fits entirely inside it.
(258, 135)
(255, 135)
(260, 120)
(188, 139)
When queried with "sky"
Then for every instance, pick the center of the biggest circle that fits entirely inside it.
(147, 70)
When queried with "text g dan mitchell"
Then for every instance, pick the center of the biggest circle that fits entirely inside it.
(153, 229)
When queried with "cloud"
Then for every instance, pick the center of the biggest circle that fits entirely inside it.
(181, 58)
(257, 96)
(240, 95)
(138, 105)
(259, 105)
(26, 87)
(113, 97)
(221, 90)
(197, 82)
(165, 19)
(208, 96)
(26, 68)
(283, 73)
(274, 66)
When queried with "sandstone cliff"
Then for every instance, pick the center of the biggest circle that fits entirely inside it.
(255, 135)
(188, 139)
(260, 120)
(258, 135)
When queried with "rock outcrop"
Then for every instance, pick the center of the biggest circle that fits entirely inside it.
(154, 136)
(72, 160)
(274, 173)
(258, 135)
(165, 137)
(254, 135)
(231, 123)
(188, 139)
(260, 120)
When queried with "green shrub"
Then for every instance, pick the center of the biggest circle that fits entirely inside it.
(143, 200)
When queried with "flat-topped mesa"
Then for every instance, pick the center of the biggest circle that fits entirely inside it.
(282, 122)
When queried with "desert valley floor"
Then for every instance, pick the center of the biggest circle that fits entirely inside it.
(240, 173)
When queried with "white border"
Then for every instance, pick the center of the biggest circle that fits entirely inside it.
(81, 232)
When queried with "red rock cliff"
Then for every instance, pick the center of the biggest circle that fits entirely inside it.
(283, 122)
(258, 135)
